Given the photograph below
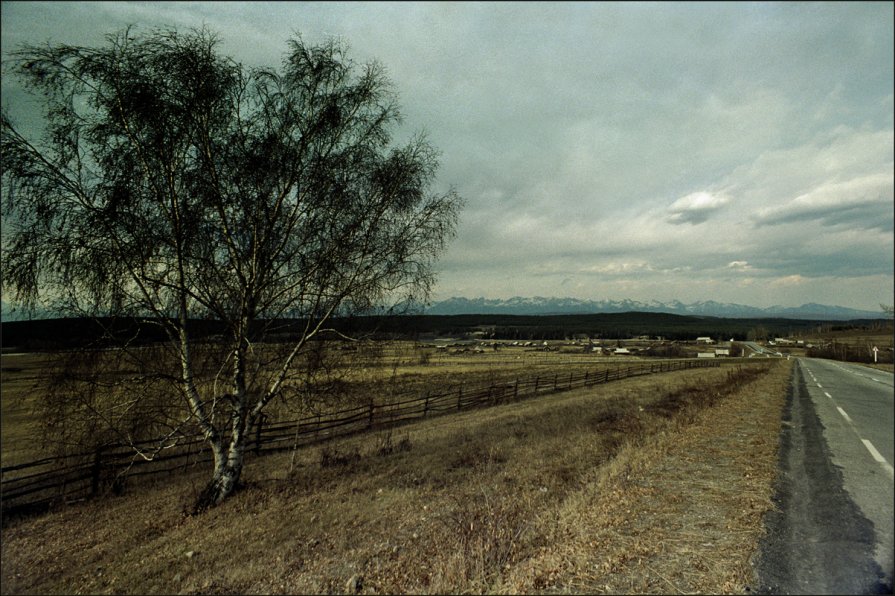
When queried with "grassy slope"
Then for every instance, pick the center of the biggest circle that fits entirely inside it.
(612, 488)
(20, 377)
(679, 512)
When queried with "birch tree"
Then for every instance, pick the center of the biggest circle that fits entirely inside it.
(173, 183)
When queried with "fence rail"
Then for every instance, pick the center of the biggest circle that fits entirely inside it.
(69, 478)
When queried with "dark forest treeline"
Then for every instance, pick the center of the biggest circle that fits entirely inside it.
(68, 333)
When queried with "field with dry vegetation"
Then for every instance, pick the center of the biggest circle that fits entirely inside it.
(649, 485)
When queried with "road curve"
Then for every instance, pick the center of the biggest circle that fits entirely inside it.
(833, 533)
(757, 350)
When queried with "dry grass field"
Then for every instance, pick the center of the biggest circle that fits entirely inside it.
(881, 335)
(647, 485)
(387, 371)
(21, 376)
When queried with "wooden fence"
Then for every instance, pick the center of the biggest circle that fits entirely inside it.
(38, 484)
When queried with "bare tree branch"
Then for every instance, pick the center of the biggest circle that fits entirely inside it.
(176, 186)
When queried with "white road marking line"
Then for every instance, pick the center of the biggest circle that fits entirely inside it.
(844, 415)
(857, 374)
(819, 385)
(876, 454)
(879, 458)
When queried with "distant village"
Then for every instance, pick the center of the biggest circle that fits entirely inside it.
(699, 347)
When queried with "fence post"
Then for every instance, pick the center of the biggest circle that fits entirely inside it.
(426, 406)
(370, 425)
(570, 380)
(459, 397)
(555, 379)
(260, 423)
(516, 389)
(95, 470)
(585, 378)
(537, 378)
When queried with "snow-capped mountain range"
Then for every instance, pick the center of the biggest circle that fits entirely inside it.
(568, 306)
(561, 306)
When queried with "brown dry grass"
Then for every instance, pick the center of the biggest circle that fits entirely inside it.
(679, 512)
(386, 371)
(21, 376)
(652, 484)
(880, 334)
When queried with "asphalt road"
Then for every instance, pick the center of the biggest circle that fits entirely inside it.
(760, 351)
(833, 533)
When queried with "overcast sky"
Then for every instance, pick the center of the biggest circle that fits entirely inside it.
(733, 152)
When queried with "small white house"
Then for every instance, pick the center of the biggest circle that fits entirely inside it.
(622, 351)
(722, 352)
(703, 340)
(705, 355)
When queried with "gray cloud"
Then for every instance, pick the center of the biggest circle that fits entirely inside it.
(584, 136)
(856, 202)
(696, 207)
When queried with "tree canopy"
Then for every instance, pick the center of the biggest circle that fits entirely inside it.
(172, 182)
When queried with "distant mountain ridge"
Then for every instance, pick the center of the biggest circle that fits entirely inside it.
(538, 305)
(558, 306)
